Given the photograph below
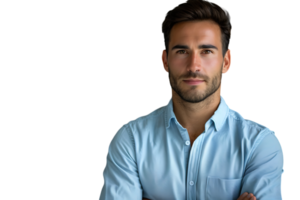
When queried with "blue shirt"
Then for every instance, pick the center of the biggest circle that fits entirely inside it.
(151, 157)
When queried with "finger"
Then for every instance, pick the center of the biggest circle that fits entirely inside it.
(249, 196)
(253, 198)
(243, 196)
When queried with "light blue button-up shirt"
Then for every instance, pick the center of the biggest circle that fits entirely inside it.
(151, 157)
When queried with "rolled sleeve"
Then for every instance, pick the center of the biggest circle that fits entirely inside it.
(121, 179)
(264, 168)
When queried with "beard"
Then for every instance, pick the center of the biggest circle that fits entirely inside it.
(195, 93)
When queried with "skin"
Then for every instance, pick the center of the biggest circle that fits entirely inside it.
(195, 104)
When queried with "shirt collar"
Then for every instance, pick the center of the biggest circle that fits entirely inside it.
(218, 118)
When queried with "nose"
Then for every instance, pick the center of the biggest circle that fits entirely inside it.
(195, 62)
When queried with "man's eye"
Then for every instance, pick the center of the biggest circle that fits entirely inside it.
(180, 50)
(208, 50)
(184, 50)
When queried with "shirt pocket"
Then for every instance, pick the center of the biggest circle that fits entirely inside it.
(222, 189)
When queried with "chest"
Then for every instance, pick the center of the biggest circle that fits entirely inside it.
(193, 136)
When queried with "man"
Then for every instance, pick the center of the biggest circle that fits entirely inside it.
(196, 147)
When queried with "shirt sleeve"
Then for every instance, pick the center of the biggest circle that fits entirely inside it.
(121, 179)
(263, 171)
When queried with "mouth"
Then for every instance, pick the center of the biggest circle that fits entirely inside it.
(193, 82)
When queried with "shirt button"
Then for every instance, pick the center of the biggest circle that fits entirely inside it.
(192, 183)
(187, 142)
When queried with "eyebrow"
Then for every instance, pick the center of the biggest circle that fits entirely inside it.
(203, 46)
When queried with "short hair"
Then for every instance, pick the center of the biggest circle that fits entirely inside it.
(195, 10)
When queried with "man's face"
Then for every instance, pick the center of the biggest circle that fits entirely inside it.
(191, 62)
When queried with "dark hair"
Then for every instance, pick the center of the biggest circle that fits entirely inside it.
(198, 10)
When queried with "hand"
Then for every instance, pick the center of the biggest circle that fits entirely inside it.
(246, 196)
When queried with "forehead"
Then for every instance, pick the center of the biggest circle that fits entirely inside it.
(204, 30)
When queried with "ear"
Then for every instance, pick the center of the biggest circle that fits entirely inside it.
(226, 62)
(165, 60)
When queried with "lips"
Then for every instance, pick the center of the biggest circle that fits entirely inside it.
(193, 82)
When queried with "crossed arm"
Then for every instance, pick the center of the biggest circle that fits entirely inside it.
(244, 196)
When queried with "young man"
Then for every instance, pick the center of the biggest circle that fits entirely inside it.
(196, 147)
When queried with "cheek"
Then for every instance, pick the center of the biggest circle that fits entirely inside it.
(178, 62)
(212, 66)
(210, 62)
